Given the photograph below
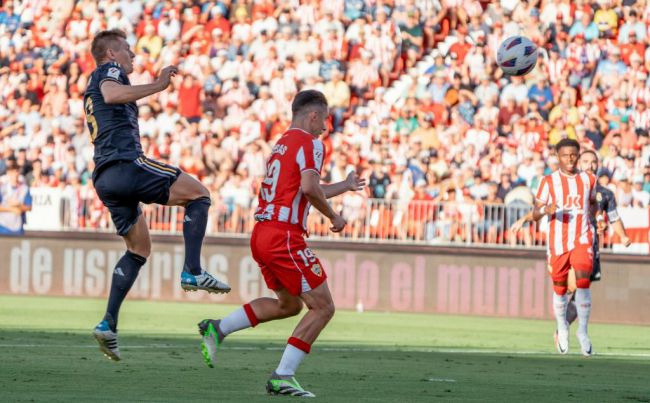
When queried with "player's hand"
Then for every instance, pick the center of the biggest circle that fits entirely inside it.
(626, 241)
(517, 226)
(354, 183)
(601, 226)
(166, 75)
(338, 223)
(551, 209)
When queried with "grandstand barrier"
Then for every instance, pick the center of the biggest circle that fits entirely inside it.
(369, 220)
(362, 276)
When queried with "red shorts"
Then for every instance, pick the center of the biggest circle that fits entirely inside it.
(581, 258)
(284, 258)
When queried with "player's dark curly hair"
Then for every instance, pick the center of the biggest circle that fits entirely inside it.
(307, 98)
(104, 40)
(567, 143)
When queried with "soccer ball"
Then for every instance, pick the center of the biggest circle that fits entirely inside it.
(517, 56)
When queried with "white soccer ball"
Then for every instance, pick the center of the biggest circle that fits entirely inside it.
(517, 56)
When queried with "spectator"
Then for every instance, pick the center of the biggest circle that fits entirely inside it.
(585, 27)
(338, 98)
(422, 92)
(15, 201)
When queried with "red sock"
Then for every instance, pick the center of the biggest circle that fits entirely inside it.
(299, 344)
(251, 315)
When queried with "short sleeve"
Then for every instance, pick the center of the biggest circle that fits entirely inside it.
(543, 192)
(112, 72)
(310, 156)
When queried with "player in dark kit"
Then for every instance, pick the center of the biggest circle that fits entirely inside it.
(124, 178)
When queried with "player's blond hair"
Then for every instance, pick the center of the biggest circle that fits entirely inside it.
(105, 40)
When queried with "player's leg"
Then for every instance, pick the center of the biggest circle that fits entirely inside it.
(260, 310)
(190, 193)
(571, 312)
(271, 250)
(595, 273)
(164, 184)
(321, 310)
(582, 262)
(138, 243)
(559, 274)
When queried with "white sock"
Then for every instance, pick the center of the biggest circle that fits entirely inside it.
(583, 303)
(559, 307)
(291, 358)
(237, 320)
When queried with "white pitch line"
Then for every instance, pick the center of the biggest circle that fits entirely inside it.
(338, 349)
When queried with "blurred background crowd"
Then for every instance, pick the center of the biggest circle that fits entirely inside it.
(417, 103)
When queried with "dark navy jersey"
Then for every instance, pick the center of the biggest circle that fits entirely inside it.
(113, 127)
(606, 203)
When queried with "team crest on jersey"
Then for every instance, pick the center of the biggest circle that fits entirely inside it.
(317, 270)
(113, 72)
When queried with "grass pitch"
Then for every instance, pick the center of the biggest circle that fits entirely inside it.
(47, 354)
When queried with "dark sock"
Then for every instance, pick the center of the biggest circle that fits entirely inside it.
(124, 275)
(194, 223)
(571, 309)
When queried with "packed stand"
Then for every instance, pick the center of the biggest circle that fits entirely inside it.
(417, 102)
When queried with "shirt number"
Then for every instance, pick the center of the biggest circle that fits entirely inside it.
(91, 119)
(272, 175)
(307, 256)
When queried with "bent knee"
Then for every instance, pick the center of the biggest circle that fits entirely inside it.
(203, 193)
(143, 251)
(140, 248)
(293, 309)
(330, 310)
(325, 310)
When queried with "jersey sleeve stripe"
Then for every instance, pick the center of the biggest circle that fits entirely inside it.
(318, 154)
(108, 79)
(300, 158)
(542, 192)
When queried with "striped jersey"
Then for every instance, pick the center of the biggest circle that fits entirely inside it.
(280, 198)
(570, 225)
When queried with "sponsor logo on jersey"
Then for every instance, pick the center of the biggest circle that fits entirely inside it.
(572, 201)
(599, 197)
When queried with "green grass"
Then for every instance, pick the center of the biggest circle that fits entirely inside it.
(47, 354)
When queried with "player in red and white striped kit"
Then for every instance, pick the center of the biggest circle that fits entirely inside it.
(568, 197)
(289, 267)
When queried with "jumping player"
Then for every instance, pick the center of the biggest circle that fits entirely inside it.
(124, 177)
(568, 198)
(289, 267)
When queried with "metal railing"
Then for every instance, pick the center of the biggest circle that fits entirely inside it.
(369, 220)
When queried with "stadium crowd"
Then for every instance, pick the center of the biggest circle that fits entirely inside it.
(417, 103)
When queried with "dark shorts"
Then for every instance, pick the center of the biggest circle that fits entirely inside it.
(123, 185)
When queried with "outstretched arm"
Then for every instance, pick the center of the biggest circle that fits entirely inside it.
(311, 188)
(536, 214)
(116, 93)
(619, 229)
(351, 184)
